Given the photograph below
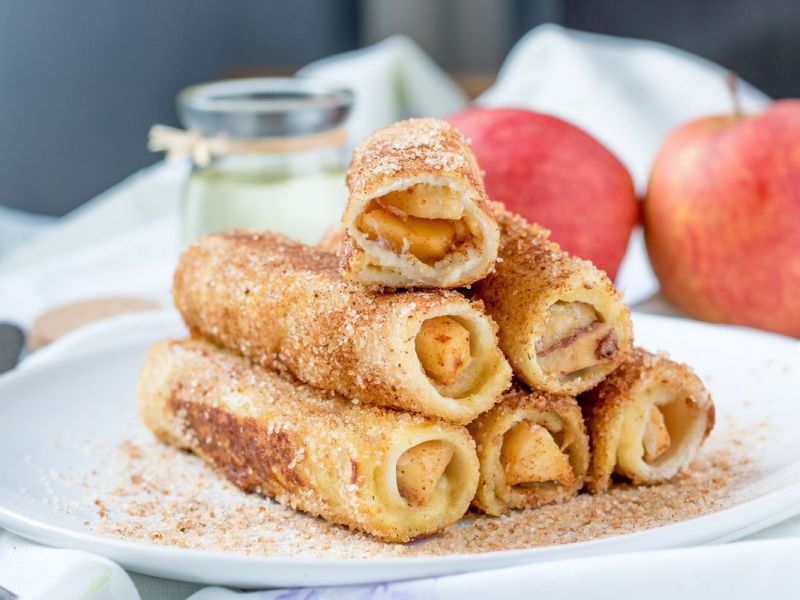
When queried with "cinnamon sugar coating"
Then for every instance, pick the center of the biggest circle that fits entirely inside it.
(262, 432)
(533, 273)
(286, 306)
(412, 147)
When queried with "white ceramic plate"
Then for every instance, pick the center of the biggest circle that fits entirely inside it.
(84, 385)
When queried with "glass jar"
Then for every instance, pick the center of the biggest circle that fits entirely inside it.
(269, 153)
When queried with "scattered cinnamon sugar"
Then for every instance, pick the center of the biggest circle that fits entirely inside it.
(410, 147)
(154, 493)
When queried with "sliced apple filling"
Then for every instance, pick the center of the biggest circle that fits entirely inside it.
(655, 438)
(575, 338)
(426, 221)
(420, 469)
(443, 349)
(531, 454)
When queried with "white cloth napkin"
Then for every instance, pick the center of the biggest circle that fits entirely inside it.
(124, 242)
(140, 199)
(137, 263)
(392, 79)
(33, 571)
(627, 93)
(17, 227)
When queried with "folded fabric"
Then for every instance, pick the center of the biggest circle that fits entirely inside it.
(137, 263)
(17, 227)
(137, 200)
(392, 80)
(34, 572)
(627, 93)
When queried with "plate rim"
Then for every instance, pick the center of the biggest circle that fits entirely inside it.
(771, 507)
(143, 557)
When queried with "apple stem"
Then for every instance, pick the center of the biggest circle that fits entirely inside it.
(732, 79)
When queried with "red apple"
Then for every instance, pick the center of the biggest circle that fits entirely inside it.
(554, 174)
(722, 218)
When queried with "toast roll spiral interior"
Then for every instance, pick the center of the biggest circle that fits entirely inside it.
(286, 306)
(562, 324)
(533, 450)
(394, 475)
(417, 214)
(646, 421)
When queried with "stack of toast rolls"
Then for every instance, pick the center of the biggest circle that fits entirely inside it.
(434, 352)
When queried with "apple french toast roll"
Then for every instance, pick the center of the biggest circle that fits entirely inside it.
(287, 306)
(533, 450)
(562, 324)
(395, 475)
(417, 214)
(646, 421)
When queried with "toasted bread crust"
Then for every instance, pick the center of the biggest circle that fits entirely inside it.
(494, 495)
(308, 449)
(607, 406)
(286, 306)
(532, 273)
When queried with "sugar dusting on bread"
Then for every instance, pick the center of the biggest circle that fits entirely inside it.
(411, 146)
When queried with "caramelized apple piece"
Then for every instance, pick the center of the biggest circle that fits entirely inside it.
(655, 439)
(583, 351)
(574, 339)
(425, 201)
(530, 454)
(419, 470)
(427, 239)
(443, 349)
(564, 319)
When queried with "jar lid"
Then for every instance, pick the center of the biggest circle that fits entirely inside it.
(264, 107)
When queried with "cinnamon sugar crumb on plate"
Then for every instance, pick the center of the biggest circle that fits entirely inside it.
(153, 493)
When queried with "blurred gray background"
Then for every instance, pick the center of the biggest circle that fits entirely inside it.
(81, 82)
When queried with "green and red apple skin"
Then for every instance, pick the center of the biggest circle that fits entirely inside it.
(722, 218)
(554, 174)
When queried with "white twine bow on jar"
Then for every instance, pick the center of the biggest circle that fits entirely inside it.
(182, 143)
